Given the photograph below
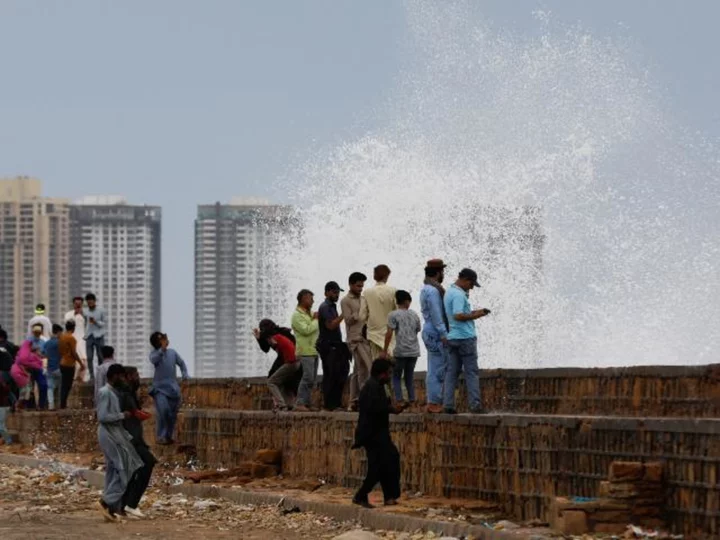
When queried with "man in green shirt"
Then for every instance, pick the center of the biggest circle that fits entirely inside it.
(305, 325)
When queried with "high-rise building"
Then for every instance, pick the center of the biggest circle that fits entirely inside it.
(237, 284)
(34, 247)
(115, 254)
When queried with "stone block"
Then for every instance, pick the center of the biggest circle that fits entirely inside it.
(269, 457)
(262, 470)
(610, 528)
(573, 522)
(604, 489)
(611, 516)
(623, 471)
(653, 472)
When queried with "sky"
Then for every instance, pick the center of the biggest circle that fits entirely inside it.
(179, 103)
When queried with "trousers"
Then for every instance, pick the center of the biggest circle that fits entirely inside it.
(437, 358)
(277, 381)
(361, 371)
(383, 465)
(462, 357)
(67, 375)
(166, 408)
(309, 373)
(141, 480)
(336, 366)
(93, 345)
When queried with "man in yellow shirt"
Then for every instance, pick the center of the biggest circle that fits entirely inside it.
(305, 325)
(379, 302)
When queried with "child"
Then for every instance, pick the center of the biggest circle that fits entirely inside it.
(406, 325)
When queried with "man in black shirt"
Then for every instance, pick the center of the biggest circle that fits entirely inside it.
(334, 354)
(373, 434)
(133, 425)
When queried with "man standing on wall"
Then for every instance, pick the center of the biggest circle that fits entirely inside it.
(95, 329)
(373, 434)
(334, 354)
(165, 389)
(351, 307)
(69, 360)
(305, 325)
(379, 302)
(41, 319)
(434, 332)
(78, 317)
(462, 342)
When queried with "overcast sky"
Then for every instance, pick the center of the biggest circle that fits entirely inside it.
(179, 103)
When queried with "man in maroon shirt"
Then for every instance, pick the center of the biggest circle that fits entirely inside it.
(286, 350)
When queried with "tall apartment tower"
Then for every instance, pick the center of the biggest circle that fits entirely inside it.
(236, 284)
(115, 254)
(34, 248)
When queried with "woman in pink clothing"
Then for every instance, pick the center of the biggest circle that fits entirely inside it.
(29, 362)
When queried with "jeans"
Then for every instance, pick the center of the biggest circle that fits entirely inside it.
(310, 369)
(38, 377)
(94, 345)
(437, 358)
(53, 384)
(462, 356)
(3, 428)
(277, 381)
(404, 366)
(67, 375)
(167, 409)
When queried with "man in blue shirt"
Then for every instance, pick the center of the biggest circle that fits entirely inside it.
(52, 352)
(434, 332)
(462, 342)
(165, 389)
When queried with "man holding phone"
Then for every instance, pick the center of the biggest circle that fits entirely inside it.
(462, 342)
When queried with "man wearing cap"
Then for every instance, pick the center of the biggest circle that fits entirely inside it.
(41, 319)
(462, 342)
(334, 354)
(435, 331)
(379, 302)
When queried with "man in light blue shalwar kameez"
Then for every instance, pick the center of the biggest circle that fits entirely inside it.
(121, 459)
(165, 389)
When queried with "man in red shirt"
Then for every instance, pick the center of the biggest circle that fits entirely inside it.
(277, 382)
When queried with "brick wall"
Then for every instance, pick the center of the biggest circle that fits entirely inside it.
(521, 461)
(635, 391)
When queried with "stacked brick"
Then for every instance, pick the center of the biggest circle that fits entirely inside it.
(633, 494)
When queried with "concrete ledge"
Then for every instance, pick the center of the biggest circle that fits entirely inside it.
(373, 519)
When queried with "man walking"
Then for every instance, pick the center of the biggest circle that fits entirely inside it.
(351, 307)
(108, 359)
(379, 302)
(94, 331)
(334, 354)
(373, 434)
(305, 325)
(129, 402)
(165, 389)
(77, 315)
(462, 342)
(434, 333)
(121, 459)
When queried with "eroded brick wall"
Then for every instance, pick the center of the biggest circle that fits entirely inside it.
(520, 461)
(634, 391)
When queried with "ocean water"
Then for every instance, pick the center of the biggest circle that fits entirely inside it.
(550, 164)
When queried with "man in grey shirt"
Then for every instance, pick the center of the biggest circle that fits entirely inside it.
(406, 325)
(108, 359)
(95, 329)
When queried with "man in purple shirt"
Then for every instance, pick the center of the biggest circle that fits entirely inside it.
(334, 354)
